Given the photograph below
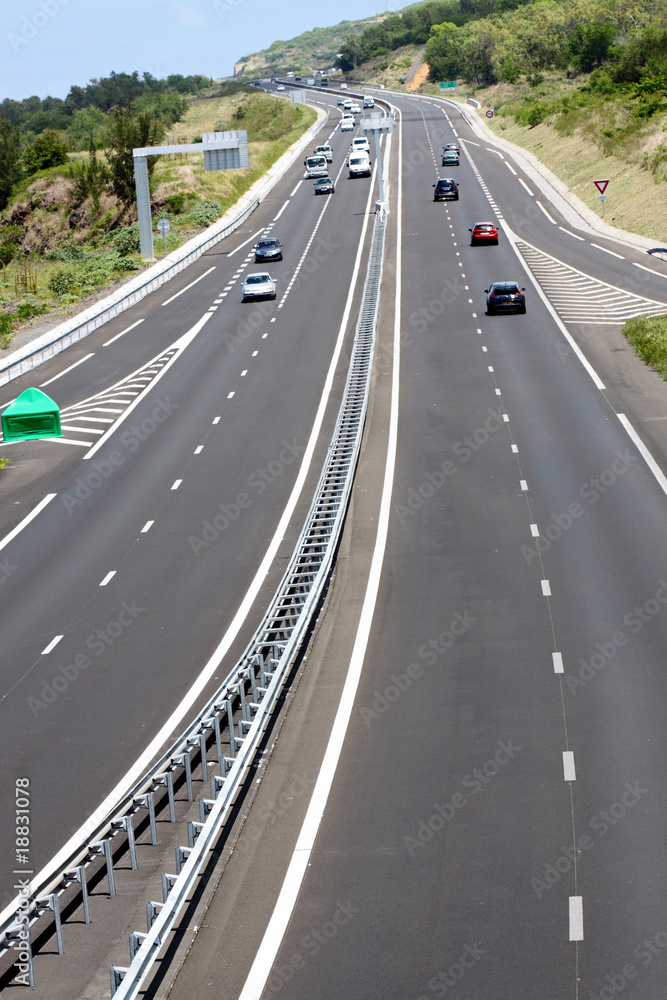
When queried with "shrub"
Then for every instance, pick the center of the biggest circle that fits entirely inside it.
(205, 213)
(126, 241)
(30, 307)
(6, 335)
(62, 282)
(48, 150)
(176, 202)
(648, 335)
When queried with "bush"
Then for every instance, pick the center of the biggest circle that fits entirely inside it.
(30, 307)
(126, 241)
(648, 335)
(176, 202)
(6, 335)
(205, 213)
(62, 282)
(48, 150)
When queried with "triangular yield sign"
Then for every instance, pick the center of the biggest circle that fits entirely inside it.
(601, 186)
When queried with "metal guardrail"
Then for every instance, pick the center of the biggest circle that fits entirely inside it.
(232, 724)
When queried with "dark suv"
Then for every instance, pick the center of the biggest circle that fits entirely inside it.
(446, 188)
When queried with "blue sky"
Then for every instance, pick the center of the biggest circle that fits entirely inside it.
(48, 45)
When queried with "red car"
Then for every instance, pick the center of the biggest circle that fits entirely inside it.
(483, 232)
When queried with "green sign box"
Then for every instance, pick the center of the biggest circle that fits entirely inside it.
(33, 414)
(447, 85)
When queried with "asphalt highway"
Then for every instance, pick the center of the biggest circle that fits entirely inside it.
(494, 823)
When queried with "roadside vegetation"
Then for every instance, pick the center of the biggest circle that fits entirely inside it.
(68, 217)
(648, 336)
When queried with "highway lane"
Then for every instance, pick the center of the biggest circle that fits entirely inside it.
(121, 563)
(483, 794)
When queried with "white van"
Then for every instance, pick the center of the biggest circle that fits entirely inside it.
(359, 165)
(360, 145)
(316, 166)
(369, 102)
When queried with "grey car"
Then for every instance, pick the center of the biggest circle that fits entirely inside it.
(268, 249)
(259, 285)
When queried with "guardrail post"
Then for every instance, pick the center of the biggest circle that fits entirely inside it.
(116, 973)
(126, 824)
(103, 849)
(78, 874)
(194, 829)
(51, 902)
(167, 779)
(214, 723)
(151, 914)
(181, 855)
(183, 760)
(217, 781)
(136, 937)
(16, 932)
(205, 806)
(167, 885)
(147, 802)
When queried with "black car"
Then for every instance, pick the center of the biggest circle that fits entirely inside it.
(505, 296)
(446, 187)
(324, 185)
(268, 249)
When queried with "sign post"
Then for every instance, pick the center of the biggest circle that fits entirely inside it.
(164, 225)
(602, 187)
(489, 109)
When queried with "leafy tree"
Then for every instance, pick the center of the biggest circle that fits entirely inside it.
(589, 44)
(130, 131)
(89, 179)
(10, 159)
(47, 150)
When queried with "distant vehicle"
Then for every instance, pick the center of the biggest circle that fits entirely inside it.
(483, 232)
(259, 285)
(268, 249)
(347, 104)
(297, 79)
(324, 185)
(316, 166)
(326, 151)
(347, 124)
(450, 158)
(280, 87)
(360, 144)
(446, 188)
(451, 145)
(369, 102)
(341, 101)
(505, 296)
(343, 86)
(290, 74)
(355, 109)
(325, 81)
(359, 165)
(310, 82)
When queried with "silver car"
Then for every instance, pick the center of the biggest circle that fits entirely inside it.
(259, 285)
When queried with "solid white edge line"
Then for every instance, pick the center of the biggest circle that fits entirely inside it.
(241, 245)
(539, 203)
(26, 520)
(122, 333)
(569, 772)
(523, 184)
(167, 301)
(65, 370)
(166, 732)
(281, 211)
(52, 645)
(558, 663)
(645, 453)
(564, 230)
(604, 250)
(576, 918)
(268, 949)
(180, 344)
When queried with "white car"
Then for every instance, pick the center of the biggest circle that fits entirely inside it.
(259, 285)
(360, 145)
(355, 109)
(280, 87)
(326, 151)
(347, 125)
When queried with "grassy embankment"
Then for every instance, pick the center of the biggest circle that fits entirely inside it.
(72, 252)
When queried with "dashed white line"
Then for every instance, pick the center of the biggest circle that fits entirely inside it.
(167, 301)
(122, 333)
(558, 663)
(176, 484)
(281, 210)
(216, 420)
(64, 372)
(515, 449)
(523, 184)
(539, 203)
(604, 250)
(108, 577)
(569, 772)
(230, 395)
(241, 245)
(147, 527)
(244, 372)
(296, 188)
(510, 167)
(564, 230)
(254, 354)
(535, 531)
(576, 918)
(546, 588)
(52, 645)
(649, 269)
(523, 484)
(26, 520)
(199, 449)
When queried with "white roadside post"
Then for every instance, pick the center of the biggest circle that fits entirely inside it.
(602, 187)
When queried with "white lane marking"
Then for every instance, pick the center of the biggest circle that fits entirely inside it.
(213, 665)
(281, 210)
(546, 588)
(569, 772)
(63, 440)
(523, 484)
(489, 150)
(268, 949)
(510, 167)
(296, 188)
(108, 577)
(535, 531)
(515, 449)
(523, 184)
(212, 309)
(167, 301)
(230, 395)
(216, 420)
(491, 368)
(558, 663)
(498, 392)
(471, 143)
(645, 453)
(178, 347)
(506, 418)
(241, 245)
(649, 269)
(176, 484)
(122, 333)
(254, 354)
(147, 527)
(26, 520)
(539, 203)
(244, 372)
(604, 250)
(64, 372)
(199, 449)
(52, 645)
(576, 918)
(564, 230)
